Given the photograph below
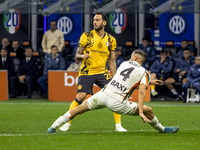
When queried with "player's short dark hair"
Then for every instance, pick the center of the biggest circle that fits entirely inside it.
(104, 17)
(141, 53)
(54, 46)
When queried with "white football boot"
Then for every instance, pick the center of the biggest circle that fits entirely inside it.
(119, 128)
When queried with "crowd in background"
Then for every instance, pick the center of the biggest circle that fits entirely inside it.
(28, 70)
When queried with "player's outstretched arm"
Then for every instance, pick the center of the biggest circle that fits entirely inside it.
(156, 82)
(142, 93)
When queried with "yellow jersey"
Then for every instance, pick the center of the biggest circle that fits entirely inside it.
(99, 49)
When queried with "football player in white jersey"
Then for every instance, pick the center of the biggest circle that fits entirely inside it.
(130, 75)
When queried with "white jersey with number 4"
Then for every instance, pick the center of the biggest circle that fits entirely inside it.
(128, 76)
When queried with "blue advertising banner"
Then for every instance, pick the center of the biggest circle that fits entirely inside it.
(176, 27)
(70, 25)
(178, 6)
(69, 21)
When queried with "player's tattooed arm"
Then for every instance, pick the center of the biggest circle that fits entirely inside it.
(80, 55)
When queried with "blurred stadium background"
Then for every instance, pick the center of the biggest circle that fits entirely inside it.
(129, 20)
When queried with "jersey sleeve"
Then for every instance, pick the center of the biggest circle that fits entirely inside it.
(145, 79)
(83, 40)
(113, 44)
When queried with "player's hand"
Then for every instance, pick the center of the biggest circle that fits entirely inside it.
(86, 56)
(157, 82)
(144, 118)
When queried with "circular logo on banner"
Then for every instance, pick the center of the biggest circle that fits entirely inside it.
(177, 25)
(118, 20)
(65, 24)
(12, 21)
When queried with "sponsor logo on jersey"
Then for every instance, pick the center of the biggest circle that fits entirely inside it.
(12, 21)
(177, 25)
(118, 20)
(65, 24)
(118, 85)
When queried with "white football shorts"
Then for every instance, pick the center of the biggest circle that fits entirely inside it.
(101, 100)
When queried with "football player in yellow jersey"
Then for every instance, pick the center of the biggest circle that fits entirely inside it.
(95, 48)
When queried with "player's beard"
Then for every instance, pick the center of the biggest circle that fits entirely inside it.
(99, 28)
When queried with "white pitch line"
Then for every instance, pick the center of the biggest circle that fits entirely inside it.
(75, 132)
(84, 132)
(37, 103)
(174, 105)
(69, 103)
(62, 133)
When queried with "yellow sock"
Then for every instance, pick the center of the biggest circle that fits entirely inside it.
(117, 117)
(73, 105)
(153, 87)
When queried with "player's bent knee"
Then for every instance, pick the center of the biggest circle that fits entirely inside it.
(147, 109)
(81, 96)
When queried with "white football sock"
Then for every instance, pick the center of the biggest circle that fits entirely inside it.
(118, 124)
(156, 124)
(174, 91)
(61, 120)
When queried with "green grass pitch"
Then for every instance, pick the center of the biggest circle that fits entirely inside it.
(24, 124)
